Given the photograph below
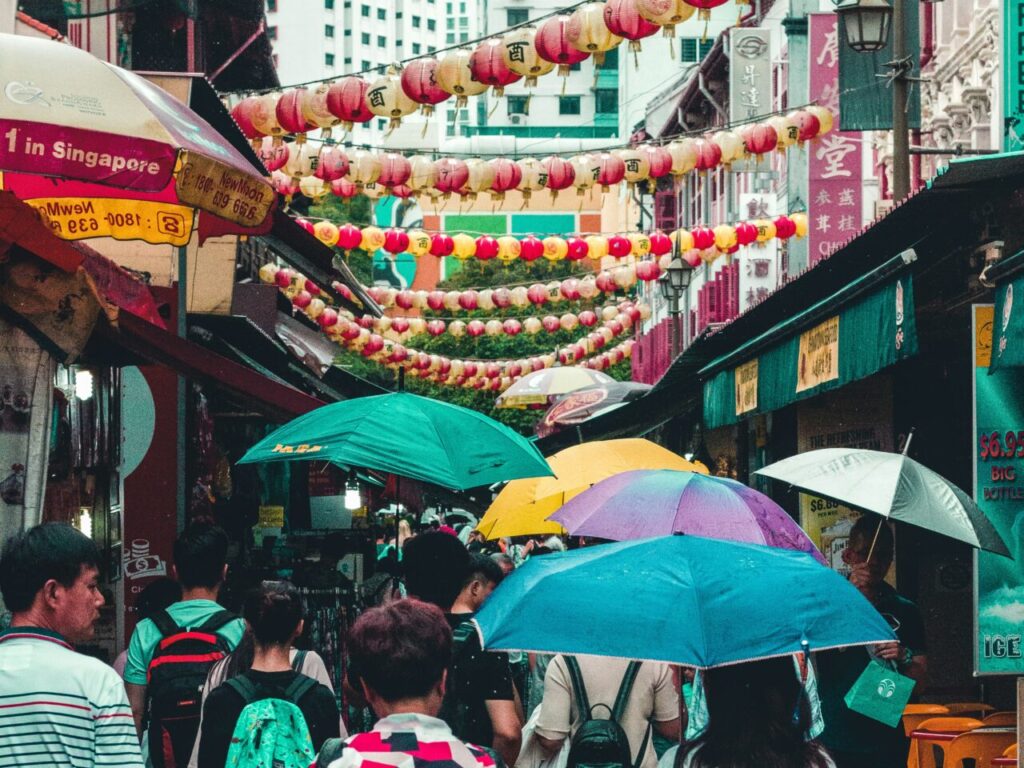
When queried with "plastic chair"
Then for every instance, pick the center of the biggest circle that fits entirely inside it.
(1011, 751)
(915, 714)
(1000, 720)
(979, 746)
(925, 752)
(969, 708)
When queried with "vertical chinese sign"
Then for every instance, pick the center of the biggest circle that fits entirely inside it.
(835, 177)
(998, 439)
(1013, 75)
(750, 73)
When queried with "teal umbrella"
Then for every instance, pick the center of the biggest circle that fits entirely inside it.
(409, 436)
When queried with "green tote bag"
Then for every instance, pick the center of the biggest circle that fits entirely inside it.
(880, 693)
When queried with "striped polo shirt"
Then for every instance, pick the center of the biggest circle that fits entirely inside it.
(60, 708)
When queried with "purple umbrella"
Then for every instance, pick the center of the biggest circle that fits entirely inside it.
(645, 503)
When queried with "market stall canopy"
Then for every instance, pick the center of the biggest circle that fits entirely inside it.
(21, 226)
(102, 152)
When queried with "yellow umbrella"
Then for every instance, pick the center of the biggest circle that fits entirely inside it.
(523, 506)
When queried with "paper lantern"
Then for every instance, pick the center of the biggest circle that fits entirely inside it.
(807, 124)
(502, 297)
(597, 246)
(493, 328)
(272, 155)
(452, 174)
(824, 115)
(587, 318)
(349, 236)
(568, 321)
(692, 257)
(452, 299)
(326, 232)
(612, 170)
(455, 76)
(765, 230)
(684, 156)
(346, 100)
(648, 271)
(553, 45)
(290, 116)
(786, 131)
(464, 246)
(372, 240)
(659, 162)
(703, 237)
(435, 300)
(619, 246)
(731, 146)
(422, 174)
(419, 243)
(344, 189)
(315, 308)
(537, 294)
(395, 169)
(725, 237)
(315, 110)
(507, 175)
(637, 167)
(485, 299)
(363, 167)
(521, 55)
(405, 299)
(586, 168)
(509, 249)
(475, 328)
(512, 327)
(456, 328)
(396, 241)
(623, 19)
(534, 176)
(313, 188)
(302, 159)
(242, 113)
(746, 233)
(759, 138)
(436, 327)
(441, 245)
(551, 323)
(784, 227)
(665, 13)
(486, 248)
(285, 185)
(331, 164)
(264, 116)
(479, 178)
(385, 98)
(577, 249)
(555, 248)
(417, 325)
(419, 81)
(570, 289)
(520, 296)
(704, 9)
(532, 326)
(268, 273)
(560, 174)
(709, 154)
(639, 244)
(587, 31)
(487, 63)
(469, 300)
(661, 244)
(800, 224)
(531, 248)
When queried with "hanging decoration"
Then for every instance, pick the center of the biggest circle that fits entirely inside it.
(521, 56)
(588, 32)
(487, 65)
(622, 18)
(665, 13)
(385, 98)
(552, 44)
(419, 81)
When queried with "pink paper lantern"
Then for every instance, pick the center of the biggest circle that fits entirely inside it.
(532, 248)
(578, 249)
(487, 65)
(486, 248)
(441, 245)
(346, 100)
(419, 81)
(552, 44)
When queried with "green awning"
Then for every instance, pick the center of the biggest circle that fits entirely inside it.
(872, 332)
(1008, 333)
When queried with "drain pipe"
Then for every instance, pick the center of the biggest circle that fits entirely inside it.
(927, 54)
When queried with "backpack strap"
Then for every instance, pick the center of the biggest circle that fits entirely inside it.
(625, 688)
(217, 621)
(244, 687)
(299, 687)
(299, 660)
(579, 689)
(164, 623)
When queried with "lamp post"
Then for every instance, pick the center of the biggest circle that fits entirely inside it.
(867, 24)
(674, 284)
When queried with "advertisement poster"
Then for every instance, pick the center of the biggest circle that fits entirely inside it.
(746, 387)
(819, 355)
(999, 490)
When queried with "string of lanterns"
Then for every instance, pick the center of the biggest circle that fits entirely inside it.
(554, 248)
(318, 170)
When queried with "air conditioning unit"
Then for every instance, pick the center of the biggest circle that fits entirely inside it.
(517, 119)
(882, 208)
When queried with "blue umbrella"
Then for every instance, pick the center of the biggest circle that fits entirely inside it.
(678, 599)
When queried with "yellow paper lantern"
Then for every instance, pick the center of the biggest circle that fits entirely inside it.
(608, 313)
(313, 188)
(455, 77)
(535, 177)
(568, 321)
(423, 174)
(508, 249)
(314, 108)
(640, 244)
(638, 167)
(665, 13)
(451, 300)
(417, 325)
(586, 31)
(315, 309)
(624, 277)
(327, 232)
(386, 98)
(800, 220)
(493, 327)
(587, 168)
(264, 117)
(373, 240)
(787, 131)
(485, 299)
(519, 296)
(555, 248)
(598, 246)
(532, 325)
(588, 287)
(824, 115)
(419, 243)
(684, 155)
(457, 328)
(765, 230)
(363, 167)
(731, 145)
(481, 177)
(520, 55)
(302, 160)
(268, 273)
(465, 246)
(725, 237)
(683, 238)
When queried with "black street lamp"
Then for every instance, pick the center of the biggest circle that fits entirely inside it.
(867, 24)
(673, 284)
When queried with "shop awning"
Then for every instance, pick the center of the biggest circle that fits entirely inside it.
(850, 335)
(21, 226)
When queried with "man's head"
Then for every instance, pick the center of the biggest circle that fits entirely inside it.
(862, 534)
(504, 562)
(49, 579)
(200, 556)
(400, 652)
(435, 566)
(482, 577)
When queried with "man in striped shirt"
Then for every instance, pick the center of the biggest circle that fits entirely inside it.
(57, 707)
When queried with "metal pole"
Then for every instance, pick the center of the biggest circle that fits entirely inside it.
(900, 137)
(182, 419)
(673, 311)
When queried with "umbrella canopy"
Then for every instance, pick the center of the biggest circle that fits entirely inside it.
(646, 503)
(409, 436)
(523, 506)
(891, 485)
(576, 407)
(72, 117)
(678, 599)
(538, 387)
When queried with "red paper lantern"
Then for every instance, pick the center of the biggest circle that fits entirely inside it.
(759, 138)
(709, 154)
(475, 328)
(551, 323)
(746, 233)
(272, 154)
(394, 170)
(487, 65)
(486, 248)
(704, 7)
(537, 294)
(470, 369)
(441, 245)
(570, 289)
(469, 300)
(302, 299)
(552, 45)
(398, 353)
(560, 173)
(313, 288)
(346, 100)
(808, 125)
(401, 191)
(400, 325)
(501, 297)
(785, 227)
(344, 188)
(578, 249)
(242, 113)
(492, 371)
(613, 170)
(605, 282)
(306, 224)
(284, 185)
(660, 243)
(532, 248)
(512, 327)
(648, 270)
(290, 115)
(436, 327)
(396, 241)
(327, 318)
(419, 81)
(507, 175)
(659, 159)
(435, 300)
(624, 20)
(405, 300)
(452, 175)
(349, 237)
(331, 164)
(703, 237)
(619, 246)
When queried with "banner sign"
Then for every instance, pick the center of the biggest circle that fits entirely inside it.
(819, 355)
(1013, 75)
(746, 387)
(835, 189)
(998, 440)
(750, 73)
(148, 220)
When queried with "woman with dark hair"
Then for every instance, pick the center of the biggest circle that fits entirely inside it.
(758, 717)
(274, 617)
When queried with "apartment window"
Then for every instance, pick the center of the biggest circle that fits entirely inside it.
(329, 5)
(450, 23)
(688, 49)
(347, 61)
(462, 8)
(328, 30)
(463, 22)
(348, 33)
(381, 125)
(272, 33)
(416, 21)
(516, 105)
(329, 59)
(431, 49)
(449, 38)
(606, 100)
(364, 11)
(705, 47)
(568, 105)
(431, 24)
(415, 48)
(364, 38)
(382, 42)
(271, 6)
(364, 66)
(449, 9)
(464, 37)
(381, 14)
(514, 16)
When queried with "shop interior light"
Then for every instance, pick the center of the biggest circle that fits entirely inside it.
(85, 521)
(352, 498)
(83, 384)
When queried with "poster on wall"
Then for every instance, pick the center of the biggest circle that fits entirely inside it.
(998, 439)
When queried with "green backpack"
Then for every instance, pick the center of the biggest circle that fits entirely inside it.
(271, 733)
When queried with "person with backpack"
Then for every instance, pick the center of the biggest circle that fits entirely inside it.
(170, 653)
(270, 716)
(608, 709)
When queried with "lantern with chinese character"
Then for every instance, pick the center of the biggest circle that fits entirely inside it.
(332, 163)
(587, 31)
(507, 175)
(534, 176)
(242, 113)
(639, 244)
(264, 117)
(665, 13)
(395, 169)
(555, 248)
(419, 81)
(509, 249)
(709, 155)
(638, 168)
(807, 124)
(521, 55)
(622, 18)
(731, 145)
(586, 168)
(553, 45)
(385, 98)
(786, 131)
(316, 111)
(273, 156)
(799, 223)
(363, 167)
(455, 76)
(765, 230)
(824, 115)
(597, 247)
(531, 248)
(302, 159)
(759, 139)
(346, 100)
(659, 162)
(452, 174)
(372, 240)
(479, 178)
(612, 170)
(290, 116)
(487, 63)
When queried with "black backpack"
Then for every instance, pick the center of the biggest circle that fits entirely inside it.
(175, 680)
(602, 743)
(454, 710)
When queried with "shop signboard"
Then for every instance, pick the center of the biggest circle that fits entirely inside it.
(998, 440)
(746, 387)
(759, 262)
(818, 359)
(750, 79)
(1013, 76)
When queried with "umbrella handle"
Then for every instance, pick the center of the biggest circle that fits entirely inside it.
(874, 541)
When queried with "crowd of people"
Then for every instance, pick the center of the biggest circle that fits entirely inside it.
(200, 686)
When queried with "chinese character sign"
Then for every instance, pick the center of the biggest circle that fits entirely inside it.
(758, 275)
(750, 73)
(834, 161)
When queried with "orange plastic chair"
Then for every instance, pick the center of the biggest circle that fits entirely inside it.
(1011, 751)
(979, 746)
(915, 714)
(969, 708)
(1000, 720)
(925, 751)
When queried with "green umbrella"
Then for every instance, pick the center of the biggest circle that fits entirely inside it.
(408, 436)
